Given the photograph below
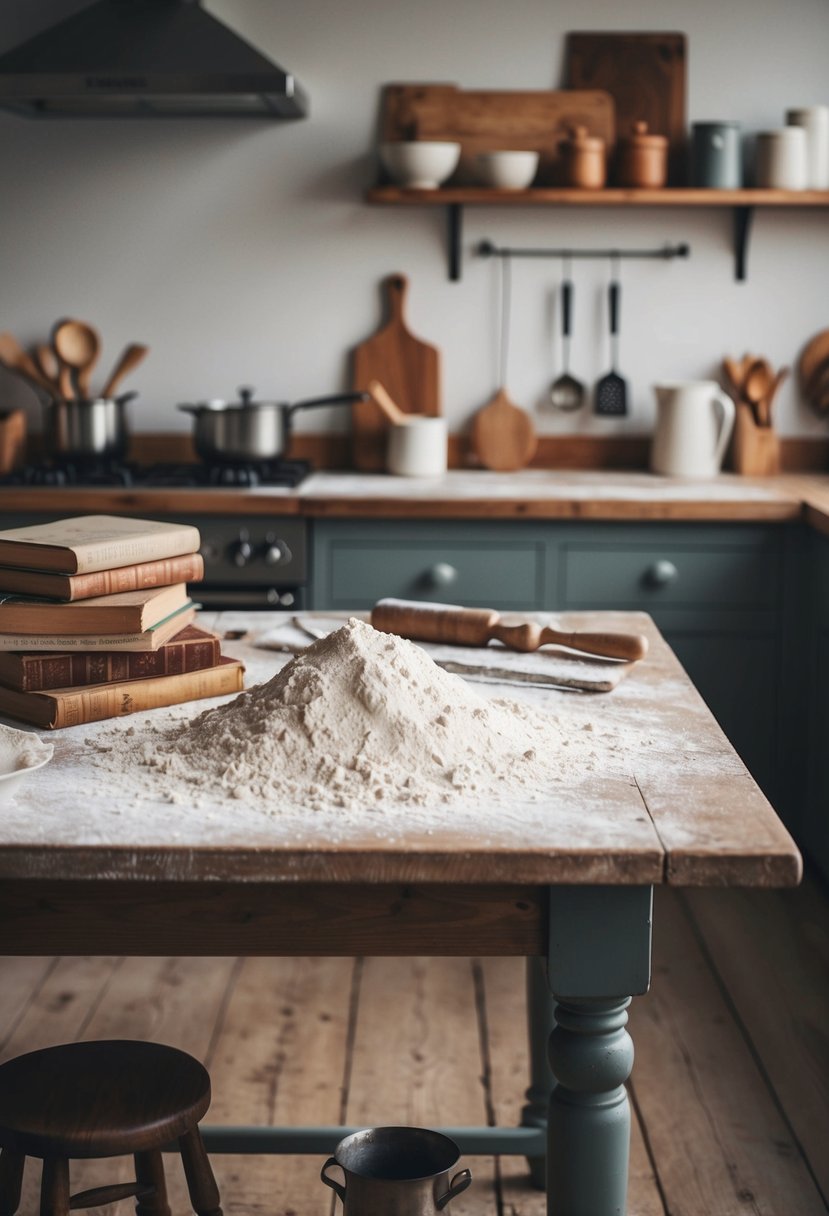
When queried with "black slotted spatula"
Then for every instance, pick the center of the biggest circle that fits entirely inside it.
(612, 389)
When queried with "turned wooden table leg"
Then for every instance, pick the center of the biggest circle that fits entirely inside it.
(599, 954)
(540, 1024)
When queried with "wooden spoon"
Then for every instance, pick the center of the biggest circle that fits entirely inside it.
(130, 357)
(49, 365)
(387, 404)
(756, 387)
(17, 360)
(78, 345)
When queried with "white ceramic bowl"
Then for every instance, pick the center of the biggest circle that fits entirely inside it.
(420, 164)
(21, 753)
(507, 170)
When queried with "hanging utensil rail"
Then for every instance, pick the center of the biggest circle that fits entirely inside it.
(486, 249)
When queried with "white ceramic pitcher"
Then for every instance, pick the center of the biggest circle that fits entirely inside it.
(694, 421)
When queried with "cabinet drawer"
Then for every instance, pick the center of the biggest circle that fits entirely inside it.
(360, 571)
(651, 575)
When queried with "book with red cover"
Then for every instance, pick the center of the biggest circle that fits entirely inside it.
(189, 568)
(192, 649)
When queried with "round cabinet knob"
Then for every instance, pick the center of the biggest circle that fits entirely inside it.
(661, 573)
(441, 575)
(241, 551)
(277, 552)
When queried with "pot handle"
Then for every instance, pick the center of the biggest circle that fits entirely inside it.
(337, 399)
(332, 1182)
(459, 1183)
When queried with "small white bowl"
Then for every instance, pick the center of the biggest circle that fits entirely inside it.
(420, 164)
(21, 753)
(507, 170)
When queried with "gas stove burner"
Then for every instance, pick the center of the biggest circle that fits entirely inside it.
(265, 473)
(71, 473)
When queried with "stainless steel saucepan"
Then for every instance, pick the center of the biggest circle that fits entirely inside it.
(248, 430)
(89, 430)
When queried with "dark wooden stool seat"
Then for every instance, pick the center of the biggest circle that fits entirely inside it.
(104, 1099)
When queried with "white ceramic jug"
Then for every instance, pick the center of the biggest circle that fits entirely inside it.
(694, 421)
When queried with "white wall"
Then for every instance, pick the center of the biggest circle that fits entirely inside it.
(242, 252)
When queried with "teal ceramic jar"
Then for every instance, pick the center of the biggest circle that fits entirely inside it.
(715, 155)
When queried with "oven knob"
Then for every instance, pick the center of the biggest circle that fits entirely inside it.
(286, 599)
(277, 552)
(241, 551)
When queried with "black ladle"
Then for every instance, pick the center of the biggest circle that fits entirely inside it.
(566, 392)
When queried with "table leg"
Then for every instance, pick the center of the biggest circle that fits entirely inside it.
(599, 955)
(540, 1024)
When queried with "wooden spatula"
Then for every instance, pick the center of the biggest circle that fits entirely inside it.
(503, 434)
(477, 626)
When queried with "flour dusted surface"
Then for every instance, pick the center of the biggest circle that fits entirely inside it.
(361, 720)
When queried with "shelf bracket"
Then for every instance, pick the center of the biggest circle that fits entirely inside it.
(743, 217)
(454, 226)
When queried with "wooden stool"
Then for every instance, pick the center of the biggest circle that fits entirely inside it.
(104, 1099)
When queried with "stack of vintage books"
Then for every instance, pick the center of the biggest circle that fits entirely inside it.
(96, 621)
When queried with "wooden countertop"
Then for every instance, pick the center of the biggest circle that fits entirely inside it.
(664, 799)
(530, 494)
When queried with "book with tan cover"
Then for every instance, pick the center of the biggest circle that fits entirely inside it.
(192, 649)
(189, 568)
(72, 706)
(129, 612)
(83, 543)
(149, 639)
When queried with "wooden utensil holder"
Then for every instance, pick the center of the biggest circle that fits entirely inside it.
(756, 449)
(12, 439)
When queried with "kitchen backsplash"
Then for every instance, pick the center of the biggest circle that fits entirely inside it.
(243, 253)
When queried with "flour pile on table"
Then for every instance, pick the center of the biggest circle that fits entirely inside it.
(361, 718)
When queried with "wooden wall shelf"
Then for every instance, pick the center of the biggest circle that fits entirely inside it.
(742, 202)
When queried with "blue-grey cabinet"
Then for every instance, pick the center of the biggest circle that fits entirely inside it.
(716, 591)
(813, 828)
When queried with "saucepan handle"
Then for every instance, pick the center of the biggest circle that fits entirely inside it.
(332, 1182)
(459, 1183)
(337, 399)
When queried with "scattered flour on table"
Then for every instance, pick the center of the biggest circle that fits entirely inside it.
(360, 720)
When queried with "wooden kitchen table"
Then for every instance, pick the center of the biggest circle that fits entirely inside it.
(86, 868)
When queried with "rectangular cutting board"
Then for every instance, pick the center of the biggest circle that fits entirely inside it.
(485, 120)
(645, 74)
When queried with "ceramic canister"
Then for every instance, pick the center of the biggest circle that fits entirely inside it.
(715, 155)
(815, 122)
(780, 159)
(417, 447)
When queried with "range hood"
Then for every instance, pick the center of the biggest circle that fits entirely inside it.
(142, 59)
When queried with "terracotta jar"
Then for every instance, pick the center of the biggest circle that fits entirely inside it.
(642, 159)
(583, 160)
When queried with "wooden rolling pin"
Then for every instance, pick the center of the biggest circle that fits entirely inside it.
(476, 626)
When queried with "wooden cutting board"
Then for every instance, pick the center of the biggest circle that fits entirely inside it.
(503, 435)
(645, 75)
(489, 120)
(407, 367)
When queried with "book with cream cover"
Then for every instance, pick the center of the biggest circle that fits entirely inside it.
(72, 706)
(84, 543)
(148, 639)
(129, 612)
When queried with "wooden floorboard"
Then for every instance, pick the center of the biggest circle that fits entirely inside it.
(770, 951)
(729, 1088)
